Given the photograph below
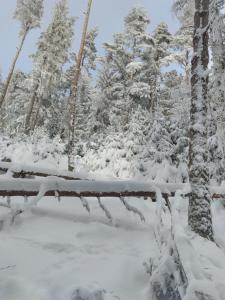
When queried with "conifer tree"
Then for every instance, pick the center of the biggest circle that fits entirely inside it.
(14, 111)
(217, 35)
(127, 77)
(114, 105)
(84, 102)
(29, 13)
(142, 68)
(52, 53)
(162, 40)
(74, 90)
(216, 103)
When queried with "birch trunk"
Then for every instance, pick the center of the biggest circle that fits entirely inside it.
(199, 215)
(72, 102)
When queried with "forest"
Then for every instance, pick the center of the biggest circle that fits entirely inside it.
(136, 133)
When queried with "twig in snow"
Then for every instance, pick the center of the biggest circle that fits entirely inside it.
(25, 199)
(132, 208)
(13, 214)
(8, 200)
(106, 211)
(7, 267)
(85, 204)
(2, 204)
(57, 196)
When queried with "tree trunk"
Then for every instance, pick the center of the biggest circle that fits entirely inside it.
(35, 118)
(153, 97)
(30, 109)
(10, 75)
(187, 68)
(72, 102)
(218, 58)
(199, 216)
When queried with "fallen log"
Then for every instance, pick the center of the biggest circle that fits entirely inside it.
(25, 171)
(94, 194)
(138, 194)
(50, 186)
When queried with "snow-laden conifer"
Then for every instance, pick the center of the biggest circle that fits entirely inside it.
(52, 53)
(29, 13)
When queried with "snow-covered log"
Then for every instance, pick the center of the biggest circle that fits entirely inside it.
(82, 188)
(58, 187)
(22, 171)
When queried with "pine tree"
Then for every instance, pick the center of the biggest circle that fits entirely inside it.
(142, 68)
(182, 41)
(83, 122)
(184, 11)
(162, 40)
(74, 90)
(56, 112)
(216, 103)
(112, 84)
(13, 111)
(200, 200)
(135, 24)
(217, 35)
(168, 100)
(29, 13)
(127, 78)
(52, 53)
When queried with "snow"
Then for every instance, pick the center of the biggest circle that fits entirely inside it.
(17, 168)
(203, 261)
(53, 183)
(58, 248)
(96, 249)
(99, 249)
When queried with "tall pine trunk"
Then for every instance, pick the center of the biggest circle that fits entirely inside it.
(217, 35)
(75, 82)
(11, 72)
(32, 102)
(154, 96)
(36, 113)
(199, 216)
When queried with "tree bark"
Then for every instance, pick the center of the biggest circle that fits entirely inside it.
(218, 58)
(30, 109)
(199, 216)
(10, 75)
(153, 97)
(72, 102)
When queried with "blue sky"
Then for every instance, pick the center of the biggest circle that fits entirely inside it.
(107, 15)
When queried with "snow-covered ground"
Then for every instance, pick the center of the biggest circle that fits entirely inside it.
(58, 248)
(57, 251)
